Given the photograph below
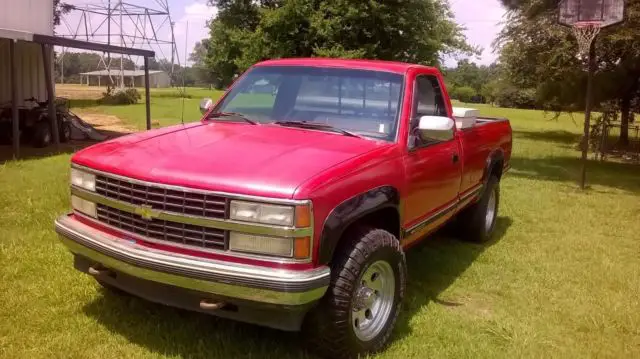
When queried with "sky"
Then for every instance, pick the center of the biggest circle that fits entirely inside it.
(481, 19)
(482, 22)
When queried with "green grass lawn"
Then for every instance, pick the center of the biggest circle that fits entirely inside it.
(167, 108)
(560, 279)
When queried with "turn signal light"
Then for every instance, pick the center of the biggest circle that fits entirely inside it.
(302, 248)
(303, 216)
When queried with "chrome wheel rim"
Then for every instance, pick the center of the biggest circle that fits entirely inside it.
(373, 300)
(491, 211)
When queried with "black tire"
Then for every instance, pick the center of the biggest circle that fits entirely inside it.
(473, 220)
(329, 329)
(41, 134)
(64, 129)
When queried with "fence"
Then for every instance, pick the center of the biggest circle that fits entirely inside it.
(605, 141)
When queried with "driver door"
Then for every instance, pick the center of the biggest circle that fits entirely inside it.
(432, 165)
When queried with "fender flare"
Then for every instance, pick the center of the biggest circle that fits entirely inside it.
(351, 210)
(494, 158)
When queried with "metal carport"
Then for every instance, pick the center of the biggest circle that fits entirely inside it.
(47, 42)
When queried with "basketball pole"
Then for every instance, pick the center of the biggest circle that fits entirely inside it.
(587, 112)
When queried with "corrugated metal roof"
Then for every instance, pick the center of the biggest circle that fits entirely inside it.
(116, 72)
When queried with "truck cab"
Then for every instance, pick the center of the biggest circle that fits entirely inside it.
(291, 203)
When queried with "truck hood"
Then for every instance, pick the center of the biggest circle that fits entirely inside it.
(264, 160)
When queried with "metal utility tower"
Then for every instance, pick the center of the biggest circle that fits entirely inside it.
(132, 25)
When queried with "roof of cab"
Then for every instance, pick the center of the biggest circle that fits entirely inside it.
(375, 65)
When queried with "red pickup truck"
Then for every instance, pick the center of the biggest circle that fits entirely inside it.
(291, 203)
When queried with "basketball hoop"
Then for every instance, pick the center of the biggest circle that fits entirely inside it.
(585, 32)
(587, 18)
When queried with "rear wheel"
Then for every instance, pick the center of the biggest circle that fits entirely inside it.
(479, 220)
(360, 309)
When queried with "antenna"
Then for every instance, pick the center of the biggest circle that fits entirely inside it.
(184, 88)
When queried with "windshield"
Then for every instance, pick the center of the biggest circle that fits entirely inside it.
(361, 102)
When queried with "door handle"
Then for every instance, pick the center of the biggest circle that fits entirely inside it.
(455, 158)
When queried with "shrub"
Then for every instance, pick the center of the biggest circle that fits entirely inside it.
(463, 94)
(514, 97)
(121, 97)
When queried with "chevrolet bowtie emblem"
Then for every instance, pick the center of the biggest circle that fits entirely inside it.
(147, 212)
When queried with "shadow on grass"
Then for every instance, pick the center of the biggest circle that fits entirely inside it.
(82, 103)
(433, 266)
(567, 169)
(179, 333)
(28, 152)
(560, 137)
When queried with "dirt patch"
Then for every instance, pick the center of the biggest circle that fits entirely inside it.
(79, 92)
(109, 125)
(476, 306)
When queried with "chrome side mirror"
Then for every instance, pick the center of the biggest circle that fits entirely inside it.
(205, 105)
(435, 123)
(438, 128)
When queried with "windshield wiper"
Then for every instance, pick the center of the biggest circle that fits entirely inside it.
(232, 114)
(316, 126)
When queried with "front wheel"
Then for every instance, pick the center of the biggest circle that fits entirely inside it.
(360, 309)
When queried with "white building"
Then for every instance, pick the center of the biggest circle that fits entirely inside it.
(17, 19)
(26, 59)
(131, 78)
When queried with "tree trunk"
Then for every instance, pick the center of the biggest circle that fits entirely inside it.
(625, 108)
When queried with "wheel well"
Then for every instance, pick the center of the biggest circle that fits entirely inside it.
(496, 168)
(386, 218)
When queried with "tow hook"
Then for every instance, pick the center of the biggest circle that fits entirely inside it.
(97, 270)
(205, 304)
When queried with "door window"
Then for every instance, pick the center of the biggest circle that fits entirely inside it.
(427, 101)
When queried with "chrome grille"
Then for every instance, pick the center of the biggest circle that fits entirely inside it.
(160, 198)
(174, 232)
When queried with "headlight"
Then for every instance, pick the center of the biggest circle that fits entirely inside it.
(262, 213)
(83, 179)
(84, 206)
(277, 246)
(297, 248)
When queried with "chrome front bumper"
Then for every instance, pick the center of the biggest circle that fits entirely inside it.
(225, 279)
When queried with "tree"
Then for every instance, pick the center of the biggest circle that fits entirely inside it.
(199, 71)
(59, 9)
(471, 76)
(463, 93)
(246, 31)
(199, 53)
(537, 53)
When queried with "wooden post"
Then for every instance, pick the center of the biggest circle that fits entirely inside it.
(147, 97)
(51, 95)
(14, 100)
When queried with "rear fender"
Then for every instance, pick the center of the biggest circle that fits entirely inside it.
(496, 158)
(351, 210)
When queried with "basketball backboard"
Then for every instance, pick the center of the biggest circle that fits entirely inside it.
(605, 12)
